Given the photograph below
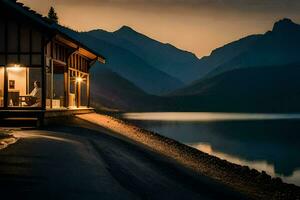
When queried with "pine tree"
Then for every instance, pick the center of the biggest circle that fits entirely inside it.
(52, 15)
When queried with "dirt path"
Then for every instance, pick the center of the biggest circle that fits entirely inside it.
(81, 162)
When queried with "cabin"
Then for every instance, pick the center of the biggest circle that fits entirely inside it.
(43, 71)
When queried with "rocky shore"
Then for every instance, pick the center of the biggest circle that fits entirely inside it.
(254, 184)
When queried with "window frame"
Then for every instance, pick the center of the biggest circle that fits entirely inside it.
(6, 90)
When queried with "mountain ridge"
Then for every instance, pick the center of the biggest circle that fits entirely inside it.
(253, 89)
(274, 47)
(132, 55)
(128, 28)
(128, 65)
(165, 57)
(285, 24)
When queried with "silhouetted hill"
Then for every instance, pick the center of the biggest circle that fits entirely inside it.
(228, 52)
(256, 73)
(110, 90)
(128, 65)
(164, 57)
(254, 89)
(281, 46)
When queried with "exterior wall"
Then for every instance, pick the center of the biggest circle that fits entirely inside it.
(34, 47)
(78, 62)
(79, 90)
(20, 41)
(22, 44)
(57, 51)
(66, 66)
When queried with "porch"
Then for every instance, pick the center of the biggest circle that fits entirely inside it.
(44, 73)
(30, 118)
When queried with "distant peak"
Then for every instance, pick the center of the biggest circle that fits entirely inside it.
(285, 25)
(98, 30)
(126, 28)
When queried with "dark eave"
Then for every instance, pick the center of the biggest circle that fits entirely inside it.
(80, 46)
(55, 28)
(28, 12)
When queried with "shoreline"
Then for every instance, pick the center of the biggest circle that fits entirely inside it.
(108, 166)
(247, 181)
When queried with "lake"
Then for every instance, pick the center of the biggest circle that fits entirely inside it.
(266, 142)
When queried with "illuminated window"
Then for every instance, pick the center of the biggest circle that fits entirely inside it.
(24, 86)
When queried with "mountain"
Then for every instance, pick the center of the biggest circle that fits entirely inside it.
(177, 63)
(276, 47)
(110, 90)
(253, 89)
(255, 73)
(281, 46)
(128, 65)
(227, 53)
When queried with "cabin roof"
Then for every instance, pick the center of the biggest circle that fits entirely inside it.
(74, 37)
(57, 29)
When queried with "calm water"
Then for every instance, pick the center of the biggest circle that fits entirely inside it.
(269, 142)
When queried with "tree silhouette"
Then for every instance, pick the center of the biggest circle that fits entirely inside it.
(52, 15)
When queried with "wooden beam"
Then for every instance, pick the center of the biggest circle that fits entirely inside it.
(69, 87)
(101, 60)
(73, 51)
(66, 87)
(88, 90)
(76, 70)
(66, 42)
(59, 62)
(21, 53)
(43, 73)
(19, 42)
(87, 53)
(78, 92)
(30, 46)
(5, 98)
(51, 84)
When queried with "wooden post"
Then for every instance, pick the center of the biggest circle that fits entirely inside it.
(78, 91)
(66, 87)
(5, 97)
(88, 90)
(44, 74)
(51, 84)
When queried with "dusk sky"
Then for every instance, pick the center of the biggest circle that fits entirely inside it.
(198, 26)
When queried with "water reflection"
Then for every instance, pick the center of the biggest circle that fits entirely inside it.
(270, 144)
(261, 165)
(206, 116)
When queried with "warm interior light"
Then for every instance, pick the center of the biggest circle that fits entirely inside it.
(79, 79)
(14, 67)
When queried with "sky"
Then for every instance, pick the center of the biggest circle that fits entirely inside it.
(198, 26)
